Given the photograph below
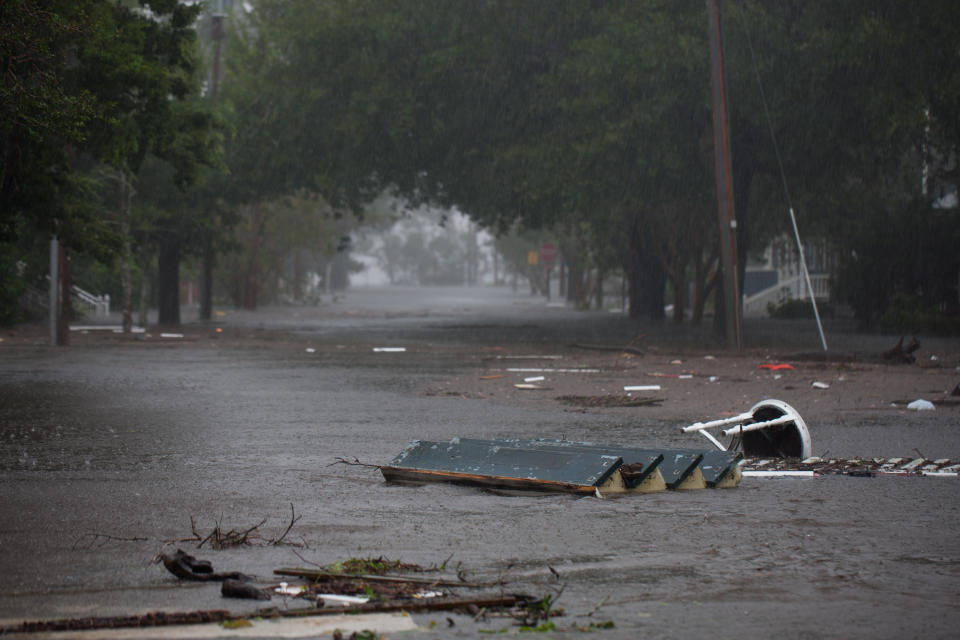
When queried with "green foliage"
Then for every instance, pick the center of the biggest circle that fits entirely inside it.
(371, 566)
(908, 314)
(589, 120)
(540, 628)
(12, 285)
(798, 308)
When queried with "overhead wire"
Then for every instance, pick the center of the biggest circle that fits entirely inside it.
(783, 177)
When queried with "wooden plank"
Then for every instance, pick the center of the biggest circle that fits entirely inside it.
(399, 474)
(470, 458)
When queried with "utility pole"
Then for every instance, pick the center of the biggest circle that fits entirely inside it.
(724, 179)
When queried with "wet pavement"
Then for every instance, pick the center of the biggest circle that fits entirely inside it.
(108, 450)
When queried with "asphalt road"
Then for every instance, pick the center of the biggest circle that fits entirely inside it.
(115, 449)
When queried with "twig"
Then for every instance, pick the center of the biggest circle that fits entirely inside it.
(598, 605)
(293, 520)
(308, 561)
(355, 463)
(105, 538)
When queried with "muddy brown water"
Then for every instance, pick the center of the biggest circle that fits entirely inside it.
(107, 450)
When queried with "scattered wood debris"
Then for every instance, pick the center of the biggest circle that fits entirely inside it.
(608, 400)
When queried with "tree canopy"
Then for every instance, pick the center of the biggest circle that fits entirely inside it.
(590, 118)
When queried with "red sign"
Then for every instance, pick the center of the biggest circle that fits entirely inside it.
(548, 252)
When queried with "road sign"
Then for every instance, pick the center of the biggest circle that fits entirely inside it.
(548, 253)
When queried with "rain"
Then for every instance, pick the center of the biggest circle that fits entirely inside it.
(626, 318)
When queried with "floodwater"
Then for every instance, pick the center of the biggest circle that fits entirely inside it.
(107, 453)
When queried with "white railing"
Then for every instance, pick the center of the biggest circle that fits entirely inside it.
(99, 304)
(792, 288)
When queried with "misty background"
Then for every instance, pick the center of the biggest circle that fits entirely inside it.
(263, 152)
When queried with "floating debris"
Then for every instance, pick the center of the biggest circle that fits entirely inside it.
(609, 400)
(857, 467)
(769, 428)
(562, 466)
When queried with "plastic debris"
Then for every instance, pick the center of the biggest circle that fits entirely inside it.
(310, 350)
(286, 590)
(769, 428)
(776, 367)
(389, 349)
(820, 385)
(534, 379)
(171, 335)
(346, 601)
(920, 405)
(529, 387)
(642, 387)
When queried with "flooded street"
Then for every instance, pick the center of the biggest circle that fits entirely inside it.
(110, 448)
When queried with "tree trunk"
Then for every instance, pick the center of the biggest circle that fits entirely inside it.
(63, 324)
(252, 284)
(206, 277)
(598, 291)
(679, 282)
(646, 277)
(168, 281)
(126, 250)
(702, 285)
(144, 291)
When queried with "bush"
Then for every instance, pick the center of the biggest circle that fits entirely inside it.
(798, 308)
(907, 314)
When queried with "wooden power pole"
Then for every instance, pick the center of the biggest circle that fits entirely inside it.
(724, 177)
